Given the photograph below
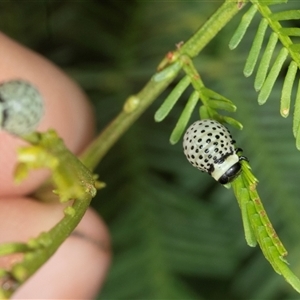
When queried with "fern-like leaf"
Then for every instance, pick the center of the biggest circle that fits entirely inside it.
(171, 100)
(256, 47)
(264, 81)
(265, 62)
(272, 76)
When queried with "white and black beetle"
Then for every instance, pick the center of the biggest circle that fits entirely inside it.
(21, 107)
(208, 146)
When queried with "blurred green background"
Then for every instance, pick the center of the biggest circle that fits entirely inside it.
(176, 233)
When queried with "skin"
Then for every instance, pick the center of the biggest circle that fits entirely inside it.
(77, 270)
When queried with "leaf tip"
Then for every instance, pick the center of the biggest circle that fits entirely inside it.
(247, 72)
(284, 112)
(158, 117)
(173, 140)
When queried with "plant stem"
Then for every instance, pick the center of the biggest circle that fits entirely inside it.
(210, 28)
(106, 139)
(52, 239)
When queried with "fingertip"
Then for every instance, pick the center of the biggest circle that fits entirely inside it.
(77, 270)
(79, 267)
(66, 110)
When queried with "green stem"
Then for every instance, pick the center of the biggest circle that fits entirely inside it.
(51, 240)
(107, 138)
(38, 250)
(210, 29)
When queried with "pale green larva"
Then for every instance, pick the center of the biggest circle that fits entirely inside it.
(21, 107)
(209, 147)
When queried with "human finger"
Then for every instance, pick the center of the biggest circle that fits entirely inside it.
(77, 270)
(66, 110)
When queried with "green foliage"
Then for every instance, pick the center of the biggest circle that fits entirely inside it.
(264, 81)
(72, 180)
(257, 225)
(176, 234)
(171, 100)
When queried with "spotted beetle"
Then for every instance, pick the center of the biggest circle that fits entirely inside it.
(208, 146)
